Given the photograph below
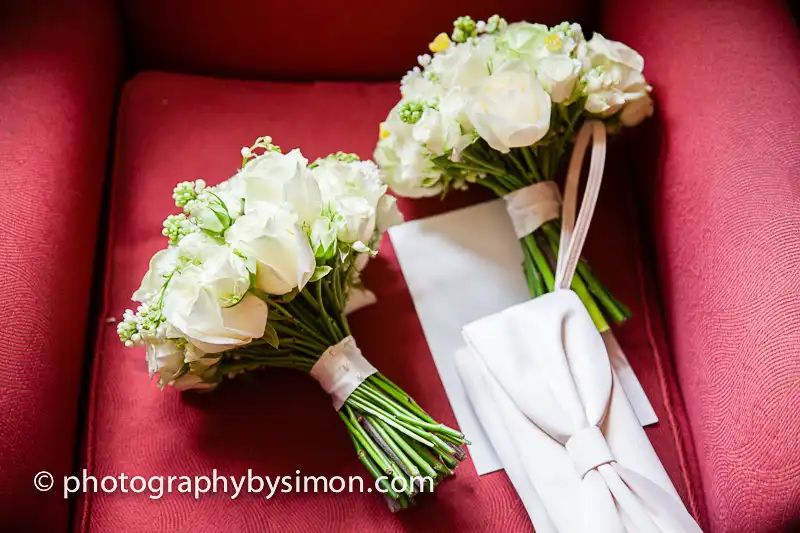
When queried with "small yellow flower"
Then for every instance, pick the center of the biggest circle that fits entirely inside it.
(553, 42)
(383, 133)
(440, 43)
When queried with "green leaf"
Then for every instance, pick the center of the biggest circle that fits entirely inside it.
(271, 336)
(319, 273)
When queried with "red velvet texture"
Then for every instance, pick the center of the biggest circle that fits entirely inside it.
(173, 128)
(344, 40)
(726, 197)
(58, 69)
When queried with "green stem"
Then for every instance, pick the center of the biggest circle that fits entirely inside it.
(448, 460)
(394, 442)
(409, 451)
(301, 318)
(541, 261)
(365, 390)
(337, 333)
(372, 468)
(532, 274)
(489, 167)
(440, 468)
(400, 395)
(609, 303)
(371, 410)
(517, 163)
(532, 161)
(358, 432)
(387, 445)
(495, 187)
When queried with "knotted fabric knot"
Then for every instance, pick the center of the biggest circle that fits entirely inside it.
(588, 450)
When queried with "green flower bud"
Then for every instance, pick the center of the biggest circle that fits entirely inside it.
(411, 112)
(177, 227)
(463, 29)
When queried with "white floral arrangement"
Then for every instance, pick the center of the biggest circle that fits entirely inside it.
(499, 105)
(258, 273)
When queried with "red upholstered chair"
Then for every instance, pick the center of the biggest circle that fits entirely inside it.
(105, 105)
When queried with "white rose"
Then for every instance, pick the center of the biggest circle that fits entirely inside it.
(352, 192)
(232, 193)
(602, 51)
(534, 42)
(387, 213)
(340, 178)
(356, 220)
(510, 109)
(276, 178)
(616, 81)
(635, 111)
(273, 238)
(436, 132)
(453, 110)
(161, 265)
(164, 358)
(406, 169)
(465, 64)
(404, 165)
(197, 247)
(209, 212)
(608, 88)
(323, 238)
(558, 75)
(167, 357)
(525, 39)
(209, 305)
(194, 382)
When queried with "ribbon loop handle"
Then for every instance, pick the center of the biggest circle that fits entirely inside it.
(573, 234)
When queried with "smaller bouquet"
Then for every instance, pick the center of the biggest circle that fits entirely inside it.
(258, 273)
(499, 105)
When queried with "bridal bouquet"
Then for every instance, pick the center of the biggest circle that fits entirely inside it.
(499, 105)
(258, 272)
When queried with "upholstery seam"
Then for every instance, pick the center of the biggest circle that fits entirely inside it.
(665, 393)
(104, 308)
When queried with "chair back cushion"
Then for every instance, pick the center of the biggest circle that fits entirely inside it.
(321, 39)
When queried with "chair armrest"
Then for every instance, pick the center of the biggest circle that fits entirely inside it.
(59, 70)
(724, 171)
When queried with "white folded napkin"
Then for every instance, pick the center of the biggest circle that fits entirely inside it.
(539, 377)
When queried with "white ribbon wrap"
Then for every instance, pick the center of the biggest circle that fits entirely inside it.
(532, 206)
(539, 377)
(341, 369)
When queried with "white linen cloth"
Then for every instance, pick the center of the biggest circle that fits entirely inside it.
(539, 377)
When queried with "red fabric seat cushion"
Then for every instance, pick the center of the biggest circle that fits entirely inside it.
(174, 127)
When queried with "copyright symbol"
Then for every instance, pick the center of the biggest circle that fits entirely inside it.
(43, 481)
